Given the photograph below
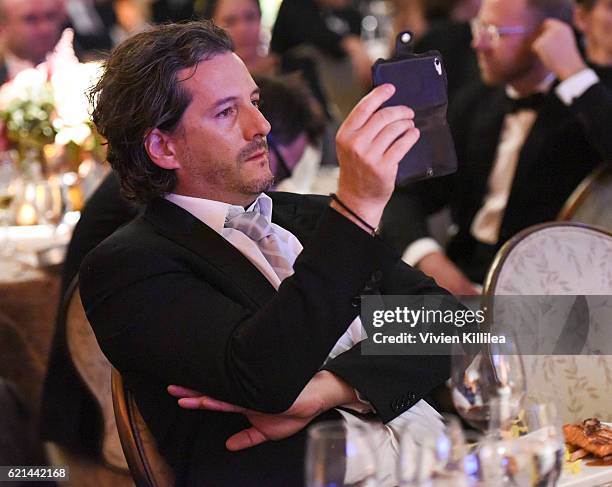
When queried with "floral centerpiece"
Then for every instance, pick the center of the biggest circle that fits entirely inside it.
(46, 109)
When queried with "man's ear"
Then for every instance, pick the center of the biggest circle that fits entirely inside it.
(161, 149)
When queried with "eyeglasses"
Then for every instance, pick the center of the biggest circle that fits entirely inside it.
(492, 33)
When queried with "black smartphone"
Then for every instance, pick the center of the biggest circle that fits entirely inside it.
(421, 84)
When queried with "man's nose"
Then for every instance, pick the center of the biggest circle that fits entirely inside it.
(255, 124)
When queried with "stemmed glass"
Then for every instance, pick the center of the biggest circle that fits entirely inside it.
(481, 374)
(437, 458)
(49, 201)
(338, 456)
(525, 450)
(8, 190)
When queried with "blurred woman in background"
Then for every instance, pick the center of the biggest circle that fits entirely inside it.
(593, 18)
(242, 20)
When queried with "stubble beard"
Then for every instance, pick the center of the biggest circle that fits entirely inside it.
(254, 186)
(227, 179)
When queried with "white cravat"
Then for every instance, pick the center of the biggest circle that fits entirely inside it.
(273, 246)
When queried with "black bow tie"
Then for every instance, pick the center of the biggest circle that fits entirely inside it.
(531, 102)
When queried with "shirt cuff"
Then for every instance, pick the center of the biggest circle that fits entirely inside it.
(419, 249)
(361, 406)
(575, 86)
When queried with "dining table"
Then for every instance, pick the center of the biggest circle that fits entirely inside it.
(30, 267)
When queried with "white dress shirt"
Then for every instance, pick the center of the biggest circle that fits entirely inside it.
(516, 126)
(420, 418)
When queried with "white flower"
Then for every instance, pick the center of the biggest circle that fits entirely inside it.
(77, 134)
(70, 85)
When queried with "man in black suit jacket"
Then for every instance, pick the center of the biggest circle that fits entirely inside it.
(518, 160)
(175, 298)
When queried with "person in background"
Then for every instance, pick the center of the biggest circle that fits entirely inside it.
(449, 32)
(593, 18)
(173, 10)
(69, 414)
(242, 21)
(94, 23)
(524, 143)
(29, 30)
(332, 26)
(295, 140)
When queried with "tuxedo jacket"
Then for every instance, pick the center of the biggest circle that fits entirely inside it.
(564, 145)
(172, 302)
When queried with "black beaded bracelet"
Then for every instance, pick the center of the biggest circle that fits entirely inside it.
(372, 229)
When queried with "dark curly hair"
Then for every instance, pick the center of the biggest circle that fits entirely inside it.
(139, 91)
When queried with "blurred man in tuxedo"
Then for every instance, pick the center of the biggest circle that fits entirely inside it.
(524, 141)
(242, 295)
(29, 30)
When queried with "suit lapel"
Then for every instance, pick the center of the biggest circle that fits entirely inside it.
(547, 119)
(532, 152)
(233, 270)
(297, 214)
(487, 132)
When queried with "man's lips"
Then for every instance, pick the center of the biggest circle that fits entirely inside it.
(258, 154)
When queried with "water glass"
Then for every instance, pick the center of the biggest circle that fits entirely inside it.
(338, 456)
(438, 458)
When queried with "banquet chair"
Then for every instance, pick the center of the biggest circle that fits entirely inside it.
(146, 464)
(94, 370)
(591, 201)
(562, 259)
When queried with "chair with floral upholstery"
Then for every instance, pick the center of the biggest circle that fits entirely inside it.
(109, 469)
(147, 466)
(591, 201)
(562, 259)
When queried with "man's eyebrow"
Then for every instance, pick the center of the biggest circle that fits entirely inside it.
(228, 99)
(223, 101)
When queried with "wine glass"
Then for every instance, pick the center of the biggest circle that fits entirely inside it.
(49, 201)
(530, 453)
(439, 457)
(339, 456)
(8, 189)
(480, 374)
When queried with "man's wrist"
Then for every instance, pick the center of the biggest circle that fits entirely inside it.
(571, 69)
(335, 391)
(368, 211)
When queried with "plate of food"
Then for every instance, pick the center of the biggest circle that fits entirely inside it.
(588, 459)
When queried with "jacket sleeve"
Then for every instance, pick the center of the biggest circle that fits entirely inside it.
(394, 383)
(594, 111)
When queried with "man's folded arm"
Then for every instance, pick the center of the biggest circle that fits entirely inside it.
(394, 383)
(153, 315)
